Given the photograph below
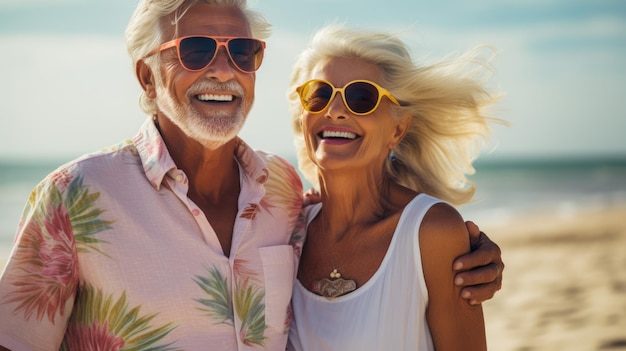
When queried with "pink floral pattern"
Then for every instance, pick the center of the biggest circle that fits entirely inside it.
(49, 274)
(95, 268)
(94, 338)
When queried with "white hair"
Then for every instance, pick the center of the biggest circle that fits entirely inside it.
(143, 32)
(447, 101)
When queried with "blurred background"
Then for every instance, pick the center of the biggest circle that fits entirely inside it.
(553, 182)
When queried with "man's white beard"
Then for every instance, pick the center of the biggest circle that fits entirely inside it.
(213, 130)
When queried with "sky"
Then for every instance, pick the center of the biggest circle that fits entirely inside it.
(67, 86)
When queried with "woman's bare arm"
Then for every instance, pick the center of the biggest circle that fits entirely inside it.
(454, 324)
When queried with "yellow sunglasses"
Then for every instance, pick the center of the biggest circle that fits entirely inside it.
(361, 97)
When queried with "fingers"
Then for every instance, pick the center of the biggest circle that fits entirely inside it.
(311, 197)
(473, 230)
(476, 295)
(483, 253)
(478, 276)
(480, 284)
(311, 191)
(480, 271)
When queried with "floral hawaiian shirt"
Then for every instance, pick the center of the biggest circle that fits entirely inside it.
(111, 254)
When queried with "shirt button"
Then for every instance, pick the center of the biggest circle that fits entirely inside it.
(180, 178)
(195, 212)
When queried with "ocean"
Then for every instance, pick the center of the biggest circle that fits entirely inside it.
(506, 189)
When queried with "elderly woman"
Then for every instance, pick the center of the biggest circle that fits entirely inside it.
(388, 144)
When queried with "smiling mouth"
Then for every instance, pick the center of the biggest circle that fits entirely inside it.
(215, 98)
(327, 134)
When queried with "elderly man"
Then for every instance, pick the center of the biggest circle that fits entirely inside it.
(183, 238)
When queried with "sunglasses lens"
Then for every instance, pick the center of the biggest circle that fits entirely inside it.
(361, 97)
(197, 52)
(246, 53)
(316, 95)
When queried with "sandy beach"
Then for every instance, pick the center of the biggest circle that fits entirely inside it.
(564, 283)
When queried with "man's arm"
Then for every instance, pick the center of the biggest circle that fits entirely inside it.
(480, 271)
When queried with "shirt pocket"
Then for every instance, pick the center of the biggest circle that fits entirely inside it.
(278, 269)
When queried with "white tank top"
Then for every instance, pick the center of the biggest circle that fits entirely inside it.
(388, 312)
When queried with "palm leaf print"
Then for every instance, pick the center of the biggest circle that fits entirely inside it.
(219, 305)
(248, 302)
(250, 211)
(48, 271)
(296, 240)
(84, 215)
(250, 307)
(284, 188)
(55, 230)
(100, 323)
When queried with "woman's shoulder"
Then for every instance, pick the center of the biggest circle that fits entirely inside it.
(444, 227)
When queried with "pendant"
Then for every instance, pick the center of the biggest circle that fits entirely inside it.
(333, 288)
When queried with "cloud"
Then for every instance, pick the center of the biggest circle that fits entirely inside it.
(68, 95)
(562, 79)
(73, 94)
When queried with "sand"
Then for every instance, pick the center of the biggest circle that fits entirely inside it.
(564, 284)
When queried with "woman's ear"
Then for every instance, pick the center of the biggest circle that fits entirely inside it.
(146, 78)
(402, 127)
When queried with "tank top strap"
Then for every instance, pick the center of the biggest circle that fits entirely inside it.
(409, 225)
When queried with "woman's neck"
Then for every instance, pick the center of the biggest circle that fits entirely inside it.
(349, 202)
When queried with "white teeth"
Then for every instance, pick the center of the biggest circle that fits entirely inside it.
(333, 134)
(213, 97)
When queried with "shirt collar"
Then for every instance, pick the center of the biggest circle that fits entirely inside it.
(251, 162)
(157, 161)
(154, 156)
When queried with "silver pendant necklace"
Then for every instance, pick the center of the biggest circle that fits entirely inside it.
(338, 286)
(335, 285)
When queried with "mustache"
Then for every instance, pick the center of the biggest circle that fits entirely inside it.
(205, 85)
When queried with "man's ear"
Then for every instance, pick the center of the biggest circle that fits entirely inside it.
(146, 78)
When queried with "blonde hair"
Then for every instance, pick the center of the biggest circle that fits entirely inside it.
(446, 99)
(143, 32)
